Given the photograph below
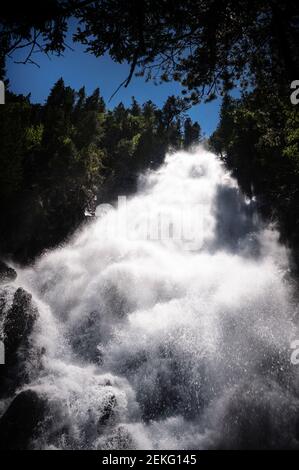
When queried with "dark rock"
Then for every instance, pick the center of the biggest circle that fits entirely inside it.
(7, 274)
(17, 324)
(108, 411)
(19, 321)
(259, 415)
(119, 439)
(22, 421)
(32, 421)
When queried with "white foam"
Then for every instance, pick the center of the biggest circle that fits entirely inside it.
(167, 331)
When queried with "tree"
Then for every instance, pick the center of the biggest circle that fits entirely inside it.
(135, 109)
(192, 133)
(209, 46)
(55, 159)
(257, 137)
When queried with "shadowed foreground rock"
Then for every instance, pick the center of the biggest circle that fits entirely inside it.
(19, 321)
(7, 274)
(22, 421)
(17, 324)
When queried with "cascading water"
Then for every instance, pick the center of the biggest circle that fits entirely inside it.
(177, 342)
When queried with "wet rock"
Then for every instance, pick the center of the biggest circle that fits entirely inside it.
(119, 439)
(259, 416)
(108, 412)
(7, 274)
(86, 337)
(32, 421)
(17, 323)
(22, 421)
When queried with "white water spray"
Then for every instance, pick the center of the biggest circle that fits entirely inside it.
(163, 343)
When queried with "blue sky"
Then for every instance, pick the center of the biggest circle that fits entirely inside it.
(79, 68)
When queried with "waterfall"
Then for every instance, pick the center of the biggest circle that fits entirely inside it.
(166, 322)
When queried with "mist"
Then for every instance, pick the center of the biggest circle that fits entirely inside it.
(175, 336)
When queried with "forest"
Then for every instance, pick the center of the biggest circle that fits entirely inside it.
(258, 139)
(210, 47)
(61, 159)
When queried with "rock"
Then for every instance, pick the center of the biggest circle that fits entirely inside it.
(22, 421)
(258, 415)
(33, 421)
(7, 274)
(119, 439)
(17, 324)
(19, 321)
(108, 411)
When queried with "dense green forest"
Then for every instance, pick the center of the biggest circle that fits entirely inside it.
(258, 138)
(60, 159)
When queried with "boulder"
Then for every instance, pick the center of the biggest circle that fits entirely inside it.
(7, 274)
(22, 421)
(17, 323)
(108, 410)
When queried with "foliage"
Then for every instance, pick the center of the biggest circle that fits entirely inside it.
(210, 47)
(57, 158)
(207, 45)
(258, 139)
